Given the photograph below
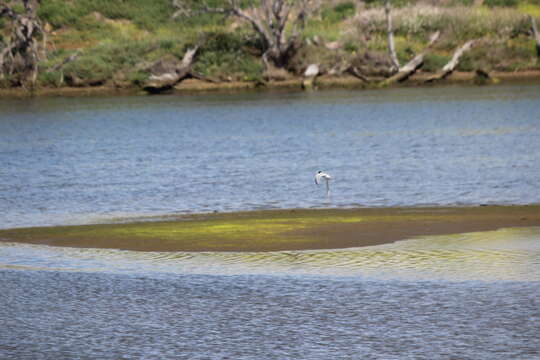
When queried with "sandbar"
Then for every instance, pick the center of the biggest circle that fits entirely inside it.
(276, 230)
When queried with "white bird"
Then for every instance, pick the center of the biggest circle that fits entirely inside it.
(320, 176)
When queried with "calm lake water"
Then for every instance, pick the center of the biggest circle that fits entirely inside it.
(82, 160)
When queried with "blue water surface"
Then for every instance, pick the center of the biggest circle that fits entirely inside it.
(80, 160)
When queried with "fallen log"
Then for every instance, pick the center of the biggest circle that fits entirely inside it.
(453, 63)
(410, 68)
(165, 74)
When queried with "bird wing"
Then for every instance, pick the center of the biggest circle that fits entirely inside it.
(317, 179)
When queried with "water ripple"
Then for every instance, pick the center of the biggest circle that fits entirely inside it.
(508, 254)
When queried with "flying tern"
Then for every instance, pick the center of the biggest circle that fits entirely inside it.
(322, 176)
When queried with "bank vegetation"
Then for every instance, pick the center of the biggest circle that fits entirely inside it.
(159, 45)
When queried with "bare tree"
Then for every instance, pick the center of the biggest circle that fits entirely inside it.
(279, 23)
(390, 32)
(21, 53)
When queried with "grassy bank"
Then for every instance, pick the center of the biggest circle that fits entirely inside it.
(118, 40)
(280, 229)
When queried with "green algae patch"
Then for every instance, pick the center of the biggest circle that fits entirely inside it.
(279, 229)
(264, 230)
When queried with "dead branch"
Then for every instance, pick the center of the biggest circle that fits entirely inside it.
(410, 68)
(453, 63)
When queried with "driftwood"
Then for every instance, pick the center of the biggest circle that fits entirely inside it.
(453, 63)
(166, 74)
(390, 31)
(410, 68)
(536, 35)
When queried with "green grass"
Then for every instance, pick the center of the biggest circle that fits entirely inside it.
(148, 14)
(277, 229)
(118, 36)
(258, 230)
(435, 62)
(338, 12)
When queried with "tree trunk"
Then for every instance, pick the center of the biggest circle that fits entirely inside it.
(390, 31)
(453, 63)
(22, 53)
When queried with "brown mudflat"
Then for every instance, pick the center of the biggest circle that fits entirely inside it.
(274, 230)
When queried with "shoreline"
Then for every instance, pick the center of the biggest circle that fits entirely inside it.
(193, 86)
(280, 230)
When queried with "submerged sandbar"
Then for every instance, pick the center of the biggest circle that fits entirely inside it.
(274, 230)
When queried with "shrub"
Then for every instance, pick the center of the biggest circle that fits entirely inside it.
(138, 77)
(350, 47)
(460, 23)
(148, 14)
(91, 69)
(434, 62)
(49, 79)
(501, 3)
(59, 13)
(339, 12)
(223, 55)
(222, 42)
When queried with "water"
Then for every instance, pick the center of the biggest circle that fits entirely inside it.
(97, 316)
(84, 160)
(464, 296)
(468, 296)
(496, 256)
